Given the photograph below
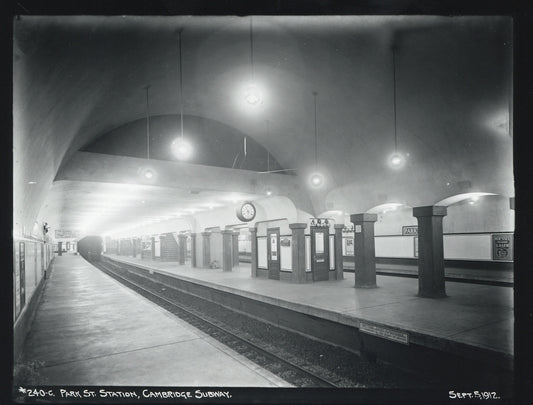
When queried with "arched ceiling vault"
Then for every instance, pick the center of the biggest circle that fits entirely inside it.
(76, 78)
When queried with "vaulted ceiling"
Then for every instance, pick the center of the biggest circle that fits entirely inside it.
(79, 78)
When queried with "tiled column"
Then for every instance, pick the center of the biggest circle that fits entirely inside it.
(227, 250)
(193, 249)
(298, 252)
(60, 248)
(153, 248)
(365, 253)
(430, 251)
(339, 265)
(134, 247)
(253, 258)
(235, 248)
(182, 248)
(206, 243)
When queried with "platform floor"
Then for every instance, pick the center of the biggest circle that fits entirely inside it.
(473, 314)
(91, 330)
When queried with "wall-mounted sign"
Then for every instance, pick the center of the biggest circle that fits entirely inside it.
(319, 243)
(358, 229)
(347, 228)
(321, 222)
(502, 246)
(285, 242)
(349, 246)
(66, 233)
(410, 230)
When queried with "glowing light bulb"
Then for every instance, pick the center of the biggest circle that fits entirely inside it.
(181, 149)
(148, 174)
(396, 160)
(252, 95)
(316, 180)
(269, 192)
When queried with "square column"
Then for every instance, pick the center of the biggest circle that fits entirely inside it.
(236, 248)
(206, 243)
(365, 251)
(227, 250)
(298, 252)
(193, 249)
(182, 248)
(153, 248)
(430, 251)
(253, 237)
(339, 265)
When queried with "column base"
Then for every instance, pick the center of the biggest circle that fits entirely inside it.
(428, 294)
(366, 285)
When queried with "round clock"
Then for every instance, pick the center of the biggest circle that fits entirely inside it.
(246, 212)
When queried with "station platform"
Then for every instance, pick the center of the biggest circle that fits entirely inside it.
(474, 321)
(91, 330)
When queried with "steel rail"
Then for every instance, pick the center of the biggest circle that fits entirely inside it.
(306, 373)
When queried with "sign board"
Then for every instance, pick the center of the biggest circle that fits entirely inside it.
(357, 228)
(285, 242)
(411, 230)
(502, 246)
(349, 246)
(319, 243)
(386, 333)
(66, 233)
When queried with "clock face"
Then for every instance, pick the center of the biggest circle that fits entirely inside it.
(246, 212)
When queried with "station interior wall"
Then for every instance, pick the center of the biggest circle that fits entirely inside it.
(37, 256)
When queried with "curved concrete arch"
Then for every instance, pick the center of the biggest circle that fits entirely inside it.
(454, 199)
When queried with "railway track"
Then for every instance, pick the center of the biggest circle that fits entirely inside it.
(289, 371)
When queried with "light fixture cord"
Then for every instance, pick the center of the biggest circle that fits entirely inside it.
(268, 152)
(252, 46)
(181, 86)
(315, 94)
(394, 92)
(147, 125)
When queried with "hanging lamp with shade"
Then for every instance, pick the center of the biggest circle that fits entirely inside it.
(252, 93)
(396, 160)
(181, 148)
(147, 172)
(316, 179)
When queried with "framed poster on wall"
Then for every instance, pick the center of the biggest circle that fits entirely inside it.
(502, 246)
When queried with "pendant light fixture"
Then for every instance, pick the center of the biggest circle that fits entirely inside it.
(252, 94)
(396, 160)
(316, 179)
(148, 173)
(181, 148)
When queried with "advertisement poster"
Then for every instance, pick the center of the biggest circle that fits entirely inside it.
(349, 246)
(273, 247)
(502, 246)
(319, 243)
